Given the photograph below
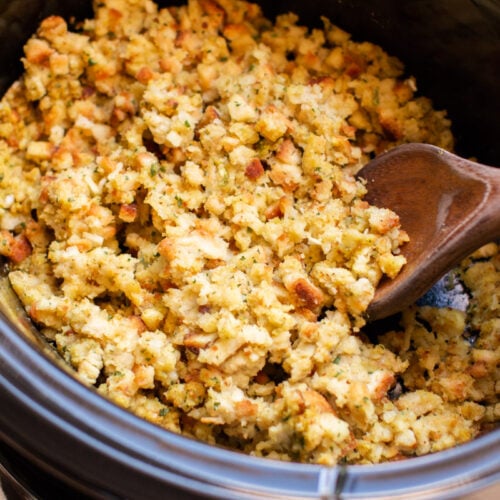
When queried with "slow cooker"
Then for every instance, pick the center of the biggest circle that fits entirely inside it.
(60, 439)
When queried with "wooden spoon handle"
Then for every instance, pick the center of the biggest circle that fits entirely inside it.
(472, 218)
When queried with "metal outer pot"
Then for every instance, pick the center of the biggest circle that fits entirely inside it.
(56, 426)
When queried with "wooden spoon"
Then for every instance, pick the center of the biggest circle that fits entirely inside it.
(449, 206)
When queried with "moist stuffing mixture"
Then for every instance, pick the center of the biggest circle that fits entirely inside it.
(180, 218)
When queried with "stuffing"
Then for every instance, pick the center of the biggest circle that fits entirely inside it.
(180, 216)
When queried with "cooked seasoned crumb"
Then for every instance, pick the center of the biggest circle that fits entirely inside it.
(179, 207)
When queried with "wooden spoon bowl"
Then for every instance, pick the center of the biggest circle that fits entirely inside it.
(449, 206)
